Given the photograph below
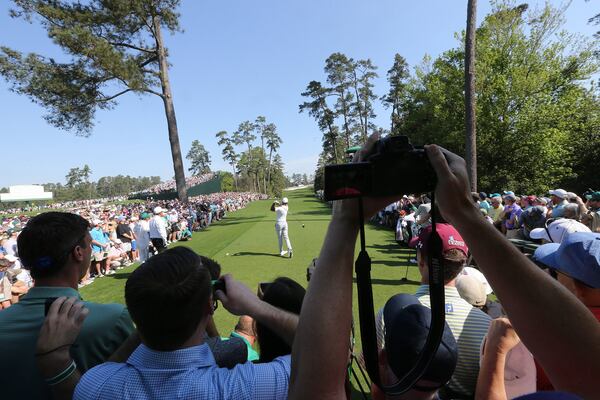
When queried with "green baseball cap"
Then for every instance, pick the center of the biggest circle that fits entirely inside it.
(595, 196)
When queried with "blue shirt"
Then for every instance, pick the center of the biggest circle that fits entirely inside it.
(559, 209)
(99, 237)
(485, 205)
(189, 373)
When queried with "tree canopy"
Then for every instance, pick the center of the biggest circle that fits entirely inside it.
(111, 48)
(199, 158)
(538, 105)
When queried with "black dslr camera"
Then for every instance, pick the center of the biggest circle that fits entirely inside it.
(395, 167)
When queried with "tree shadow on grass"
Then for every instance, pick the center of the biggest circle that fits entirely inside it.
(391, 282)
(394, 263)
(120, 276)
(252, 253)
(323, 211)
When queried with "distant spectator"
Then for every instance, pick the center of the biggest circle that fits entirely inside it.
(483, 201)
(512, 213)
(158, 230)
(591, 211)
(495, 211)
(142, 234)
(532, 217)
(559, 201)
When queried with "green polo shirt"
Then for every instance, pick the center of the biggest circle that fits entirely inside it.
(103, 331)
(252, 354)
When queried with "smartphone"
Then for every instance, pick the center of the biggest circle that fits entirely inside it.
(48, 303)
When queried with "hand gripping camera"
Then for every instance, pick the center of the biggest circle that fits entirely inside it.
(395, 167)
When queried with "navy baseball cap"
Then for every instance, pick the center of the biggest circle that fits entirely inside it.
(577, 256)
(407, 324)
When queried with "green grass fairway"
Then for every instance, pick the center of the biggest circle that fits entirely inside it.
(245, 244)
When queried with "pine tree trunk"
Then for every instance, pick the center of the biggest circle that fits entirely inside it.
(234, 178)
(170, 113)
(363, 127)
(269, 170)
(470, 117)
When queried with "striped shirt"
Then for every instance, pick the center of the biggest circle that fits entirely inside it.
(468, 325)
(189, 373)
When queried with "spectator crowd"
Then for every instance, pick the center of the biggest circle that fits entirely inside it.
(170, 185)
(121, 233)
(537, 336)
(523, 217)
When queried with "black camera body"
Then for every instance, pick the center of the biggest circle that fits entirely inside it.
(395, 167)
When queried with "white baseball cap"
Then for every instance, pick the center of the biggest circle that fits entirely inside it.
(96, 222)
(158, 210)
(558, 230)
(284, 200)
(477, 274)
(471, 290)
(559, 193)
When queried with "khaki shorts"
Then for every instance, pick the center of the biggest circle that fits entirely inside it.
(99, 256)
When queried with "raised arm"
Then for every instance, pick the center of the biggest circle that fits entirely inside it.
(61, 327)
(555, 326)
(501, 338)
(326, 317)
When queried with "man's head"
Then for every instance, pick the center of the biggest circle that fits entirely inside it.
(284, 201)
(593, 200)
(159, 211)
(577, 263)
(527, 201)
(214, 268)
(407, 324)
(557, 195)
(571, 211)
(496, 201)
(169, 297)
(510, 199)
(471, 290)
(454, 251)
(53, 242)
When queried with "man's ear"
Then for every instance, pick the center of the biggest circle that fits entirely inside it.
(209, 309)
(78, 253)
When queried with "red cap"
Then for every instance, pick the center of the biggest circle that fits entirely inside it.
(451, 239)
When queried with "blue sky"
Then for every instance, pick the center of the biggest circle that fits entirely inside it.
(236, 60)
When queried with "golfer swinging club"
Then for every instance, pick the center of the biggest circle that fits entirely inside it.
(281, 226)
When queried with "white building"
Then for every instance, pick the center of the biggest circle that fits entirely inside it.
(25, 193)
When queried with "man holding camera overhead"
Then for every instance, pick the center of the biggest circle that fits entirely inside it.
(566, 347)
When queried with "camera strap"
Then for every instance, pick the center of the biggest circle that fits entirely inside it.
(366, 309)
